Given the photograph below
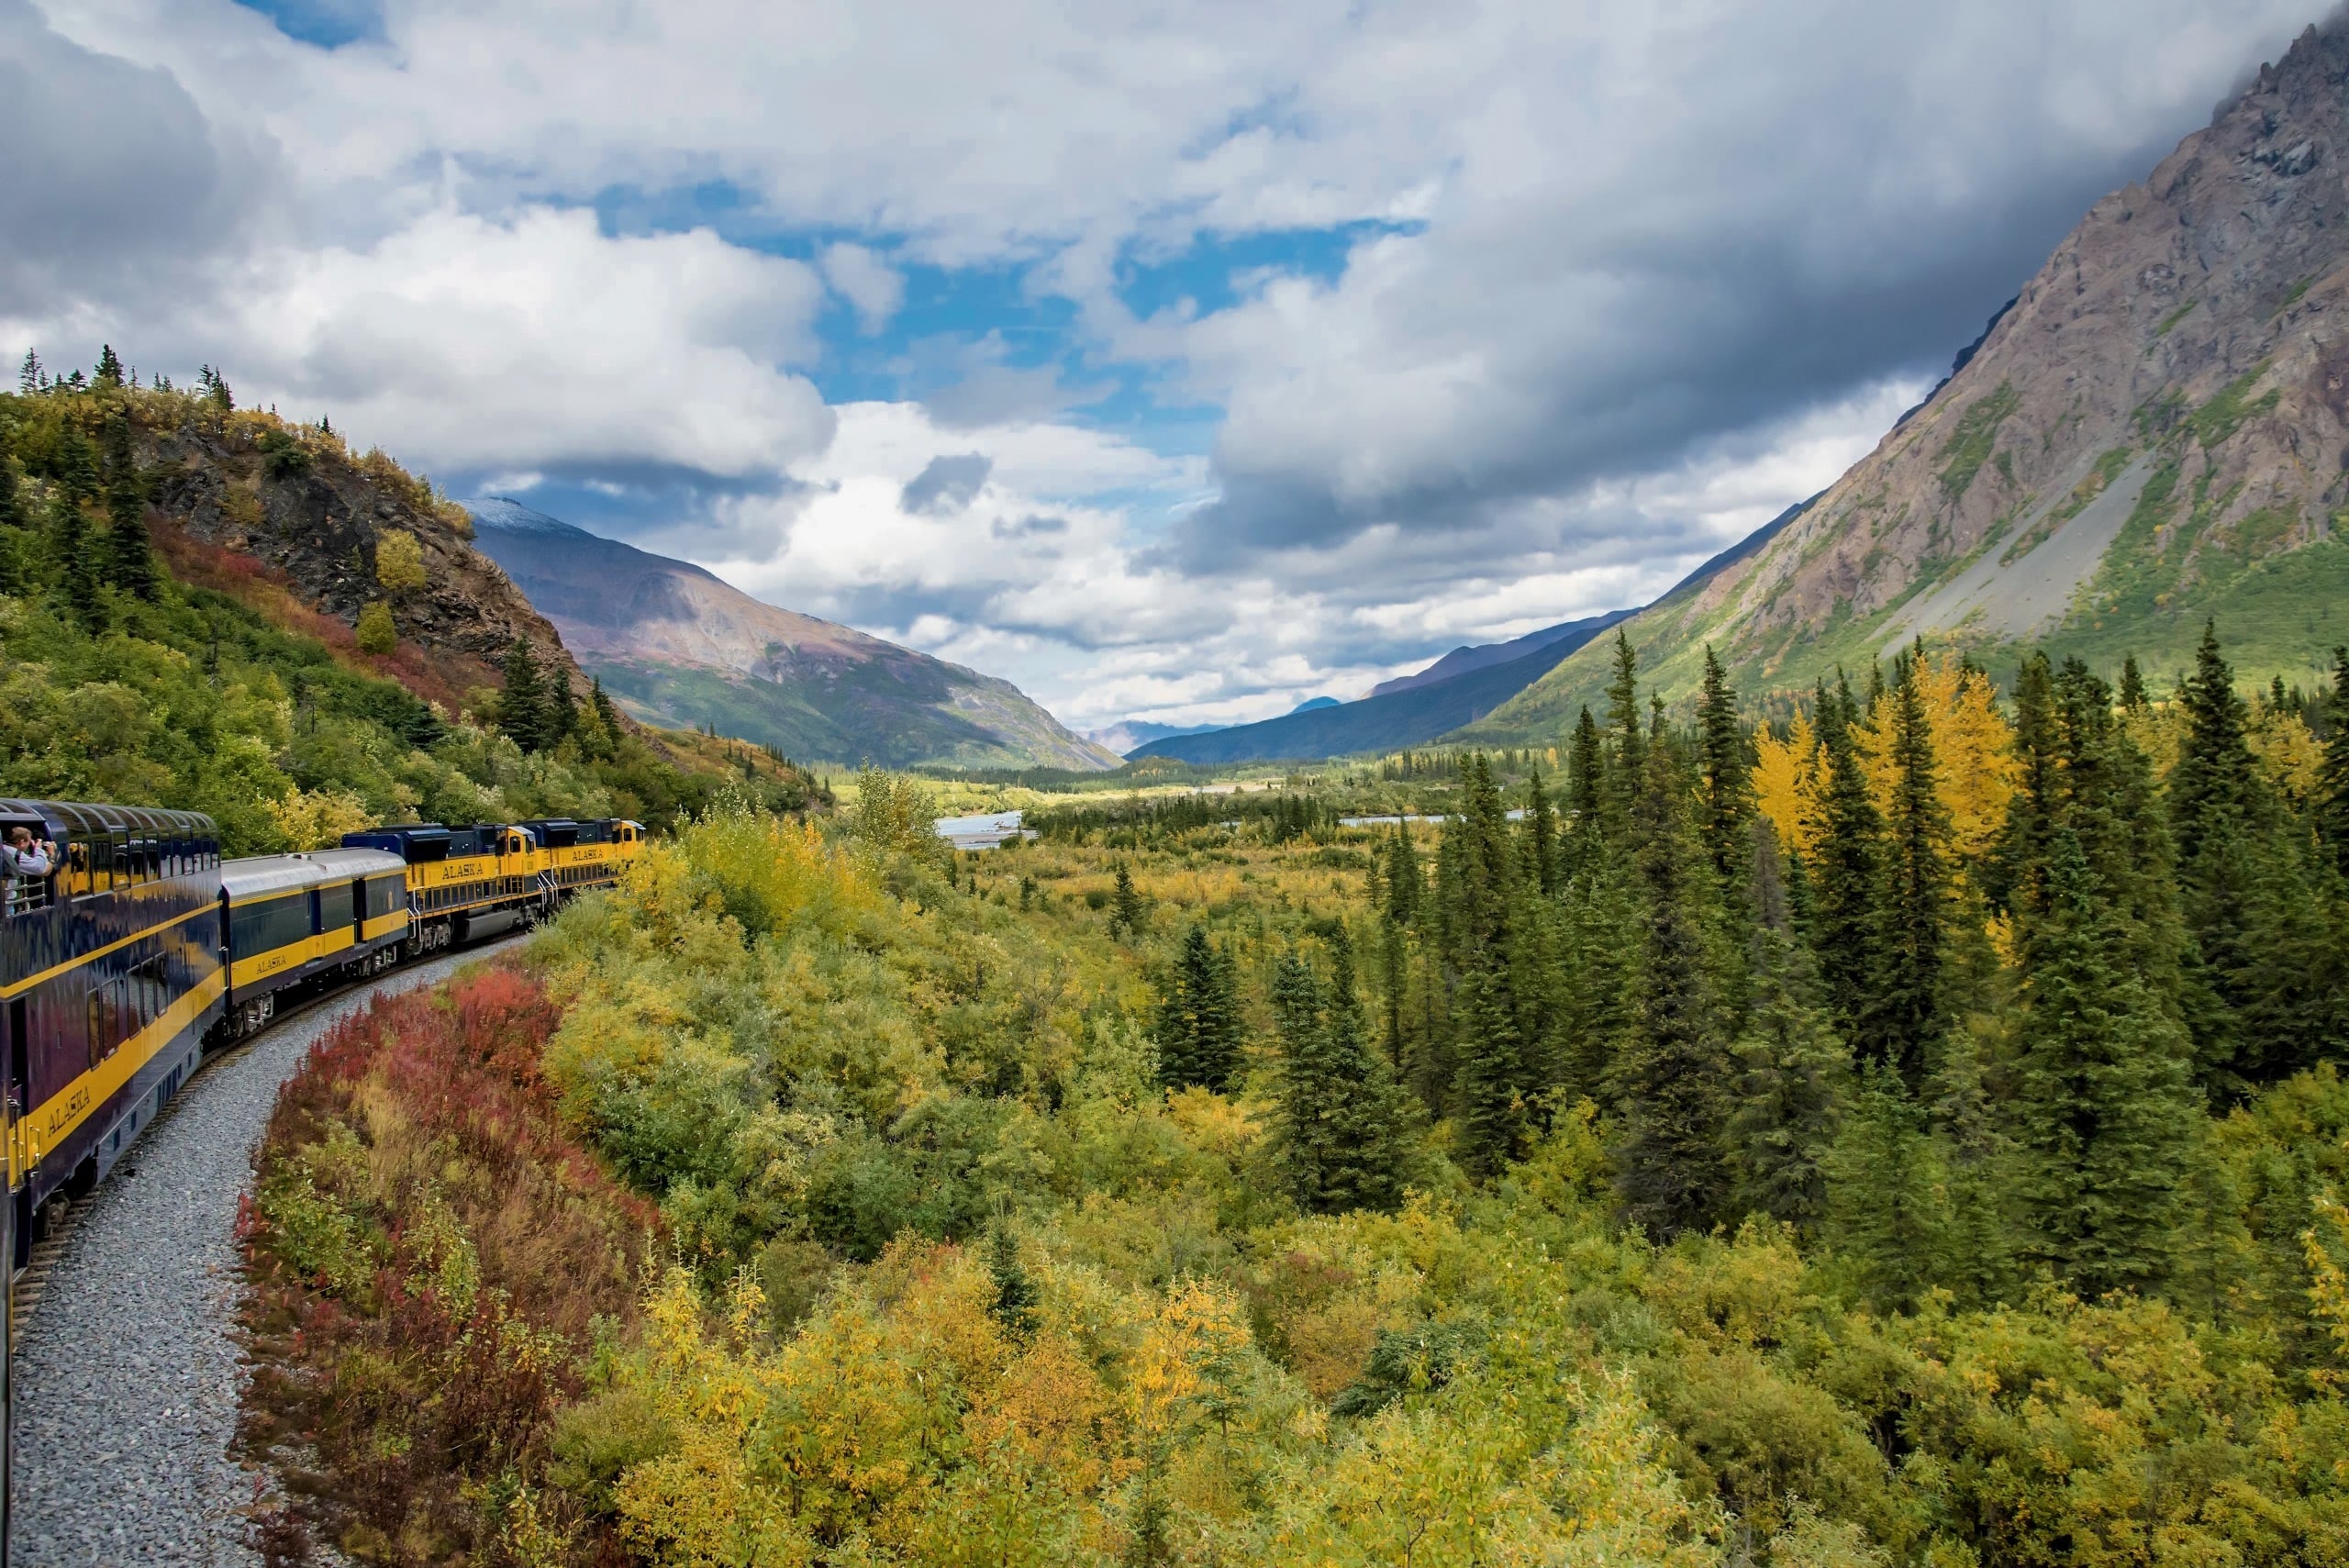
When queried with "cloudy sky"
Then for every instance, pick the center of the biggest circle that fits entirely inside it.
(1177, 361)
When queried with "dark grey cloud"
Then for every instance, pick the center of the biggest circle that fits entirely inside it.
(1797, 200)
(948, 483)
(116, 185)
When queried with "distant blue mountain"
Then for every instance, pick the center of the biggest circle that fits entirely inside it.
(1312, 704)
(1408, 718)
(1480, 656)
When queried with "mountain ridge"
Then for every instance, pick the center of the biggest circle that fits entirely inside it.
(674, 641)
(2150, 436)
(1408, 718)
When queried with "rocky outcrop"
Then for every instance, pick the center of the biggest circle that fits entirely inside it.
(2154, 432)
(297, 501)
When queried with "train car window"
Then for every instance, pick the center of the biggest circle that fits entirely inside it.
(335, 909)
(268, 924)
(106, 1014)
(149, 993)
(382, 897)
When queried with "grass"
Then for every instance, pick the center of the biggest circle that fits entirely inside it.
(1977, 431)
(2231, 406)
(2173, 318)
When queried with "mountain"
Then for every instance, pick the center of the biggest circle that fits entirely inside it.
(1314, 704)
(2154, 433)
(1378, 723)
(679, 646)
(1464, 659)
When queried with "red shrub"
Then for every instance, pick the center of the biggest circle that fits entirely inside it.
(415, 1399)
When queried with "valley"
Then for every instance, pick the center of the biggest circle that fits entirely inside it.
(1834, 1062)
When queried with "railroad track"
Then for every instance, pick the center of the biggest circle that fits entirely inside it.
(128, 1373)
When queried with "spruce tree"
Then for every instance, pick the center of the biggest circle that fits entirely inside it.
(521, 706)
(1403, 889)
(131, 557)
(1626, 767)
(1846, 925)
(562, 706)
(2217, 811)
(602, 702)
(2214, 778)
(1342, 1132)
(1199, 1023)
(1499, 1055)
(2106, 1116)
(1541, 837)
(1728, 783)
(109, 371)
(77, 466)
(2332, 778)
(30, 379)
(1597, 923)
(79, 573)
(1901, 1013)
(2132, 686)
(1016, 1296)
(1372, 1156)
(2021, 855)
(12, 495)
(1126, 909)
(1790, 1068)
(1672, 1076)
(1887, 1208)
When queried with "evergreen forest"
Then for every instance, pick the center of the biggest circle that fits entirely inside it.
(1905, 1131)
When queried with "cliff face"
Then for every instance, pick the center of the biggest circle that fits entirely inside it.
(681, 647)
(297, 502)
(2153, 433)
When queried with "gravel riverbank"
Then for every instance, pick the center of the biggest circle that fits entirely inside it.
(128, 1374)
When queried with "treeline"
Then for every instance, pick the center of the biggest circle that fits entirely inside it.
(1282, 816)
(1952, 988)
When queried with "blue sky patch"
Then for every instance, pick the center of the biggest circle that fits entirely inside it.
(329, 24)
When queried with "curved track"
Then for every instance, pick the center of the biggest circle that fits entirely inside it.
(127, 1371)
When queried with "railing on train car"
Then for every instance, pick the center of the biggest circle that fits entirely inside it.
(26, 894)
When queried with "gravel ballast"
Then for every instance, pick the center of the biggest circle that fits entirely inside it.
(128, 1374)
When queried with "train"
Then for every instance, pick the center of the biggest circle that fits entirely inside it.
(144, 950)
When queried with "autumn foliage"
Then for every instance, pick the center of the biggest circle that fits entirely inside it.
(432, 1262)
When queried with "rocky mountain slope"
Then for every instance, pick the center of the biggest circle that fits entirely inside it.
(680, 646)
(243, 500)
(2153, 433)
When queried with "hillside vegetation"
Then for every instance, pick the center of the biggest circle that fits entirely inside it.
(1908, 1133)
(200, 678)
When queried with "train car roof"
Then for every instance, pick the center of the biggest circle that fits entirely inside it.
(265, 875)
(81, 818)
(356, 862)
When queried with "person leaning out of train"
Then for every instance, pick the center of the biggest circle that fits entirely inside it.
(25, 859)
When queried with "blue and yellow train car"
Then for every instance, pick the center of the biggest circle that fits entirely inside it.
(575, 856)
(110, 975)
(465, 883)
(295, 920)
